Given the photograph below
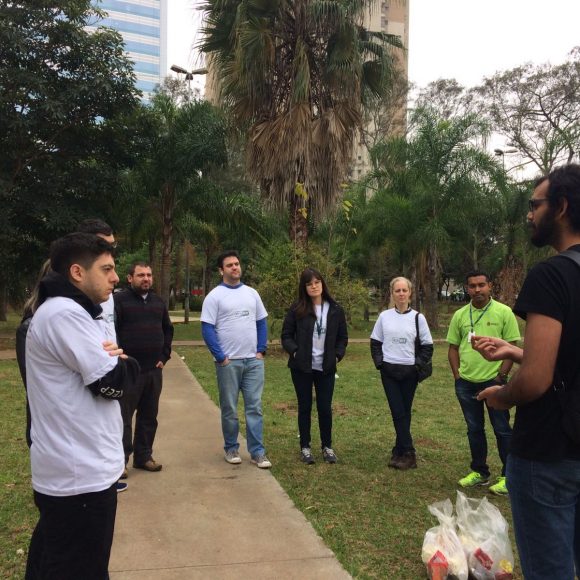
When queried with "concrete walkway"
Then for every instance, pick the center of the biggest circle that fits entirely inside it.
(201, 518)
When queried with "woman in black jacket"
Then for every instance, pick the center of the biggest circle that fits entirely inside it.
(314, 334)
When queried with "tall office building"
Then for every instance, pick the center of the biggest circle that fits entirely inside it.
(143, 25)
(392, 17)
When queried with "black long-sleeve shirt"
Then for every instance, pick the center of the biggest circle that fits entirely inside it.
(144, 330)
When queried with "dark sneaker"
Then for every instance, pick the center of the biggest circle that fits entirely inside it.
(150, 465)
(329, 455)
(232, 456)
(121, 486)
(306, 456)
(261, 461)
(473, 479)
(394, 462)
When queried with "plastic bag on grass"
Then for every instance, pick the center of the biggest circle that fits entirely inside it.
(483, 532)
(442, 552)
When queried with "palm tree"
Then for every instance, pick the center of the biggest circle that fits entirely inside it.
(297, 75)
(431, 190)
(180, 144)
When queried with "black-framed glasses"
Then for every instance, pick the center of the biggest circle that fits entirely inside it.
(534, 204)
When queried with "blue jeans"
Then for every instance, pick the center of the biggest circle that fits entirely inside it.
(400, 395)
(245, 375)
(545, 499)
(473, 411)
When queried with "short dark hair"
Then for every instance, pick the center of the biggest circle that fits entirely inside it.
(134, 265)
(95, 226)
(224, 255)
(564, 183)
(475, 274)
(77, 248)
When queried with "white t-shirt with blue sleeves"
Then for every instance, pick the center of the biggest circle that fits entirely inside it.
(234, 312)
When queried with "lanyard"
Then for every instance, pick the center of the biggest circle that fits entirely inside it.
(480, 316)
(319, 324)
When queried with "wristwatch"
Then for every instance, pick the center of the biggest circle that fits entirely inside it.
(503, 377)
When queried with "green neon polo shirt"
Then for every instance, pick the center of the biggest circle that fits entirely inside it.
(498, 321)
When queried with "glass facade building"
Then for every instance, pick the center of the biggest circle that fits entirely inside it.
(143, 25)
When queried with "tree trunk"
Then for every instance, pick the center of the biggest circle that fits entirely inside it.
(186, 287)
(167, 209)
(508, 281)
(3, 301)
(431, 280)
(299, 222)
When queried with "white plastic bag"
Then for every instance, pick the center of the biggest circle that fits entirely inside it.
(483, 532)
(442, 552)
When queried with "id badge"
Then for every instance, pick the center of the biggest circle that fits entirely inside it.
(470, 335)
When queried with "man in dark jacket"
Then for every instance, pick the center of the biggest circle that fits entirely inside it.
(145, 332)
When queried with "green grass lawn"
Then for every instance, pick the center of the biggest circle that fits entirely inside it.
(18, 515)
(357, 329)
(373, 518)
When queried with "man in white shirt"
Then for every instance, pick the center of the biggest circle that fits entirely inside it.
(73, 388)
(233, 323)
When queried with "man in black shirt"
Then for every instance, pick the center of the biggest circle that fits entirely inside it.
(544, 463)
(145, 331)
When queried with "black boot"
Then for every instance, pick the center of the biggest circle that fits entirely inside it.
(395, 460)
(408, 461)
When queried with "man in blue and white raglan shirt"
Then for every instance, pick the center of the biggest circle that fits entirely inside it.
(74, 386)
(233, 324)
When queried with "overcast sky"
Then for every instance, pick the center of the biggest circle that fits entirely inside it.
(463, 39)
(470, 39)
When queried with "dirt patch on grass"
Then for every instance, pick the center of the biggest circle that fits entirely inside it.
(429, 443)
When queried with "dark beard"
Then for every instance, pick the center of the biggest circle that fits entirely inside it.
(546, 232)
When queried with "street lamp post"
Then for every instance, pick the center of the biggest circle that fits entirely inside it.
(503, 152)
(188, 73)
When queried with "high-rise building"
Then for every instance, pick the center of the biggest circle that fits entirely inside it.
(392, 17)
(143, 26)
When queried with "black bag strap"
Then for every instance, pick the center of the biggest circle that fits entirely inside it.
(559, 383)
(417, 339)
(574, 256)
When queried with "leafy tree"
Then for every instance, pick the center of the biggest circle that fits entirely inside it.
(184, 142)
(62, 91)
(429, 193)
(297, 75)
(537, 107)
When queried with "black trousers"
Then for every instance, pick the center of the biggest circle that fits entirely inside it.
(324, 387)
(144, 399)
(73, 537)
(400, 394)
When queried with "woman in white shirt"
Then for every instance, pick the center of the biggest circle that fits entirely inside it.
(396, 354)
(314, 334)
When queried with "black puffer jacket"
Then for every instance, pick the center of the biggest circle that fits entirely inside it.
(297, 339)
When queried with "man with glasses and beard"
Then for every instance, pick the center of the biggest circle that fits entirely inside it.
(544, 462)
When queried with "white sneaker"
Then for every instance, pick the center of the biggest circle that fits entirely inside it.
(232, 456)
(261, 461)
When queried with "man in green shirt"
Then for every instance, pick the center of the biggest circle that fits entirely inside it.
(472, 373)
